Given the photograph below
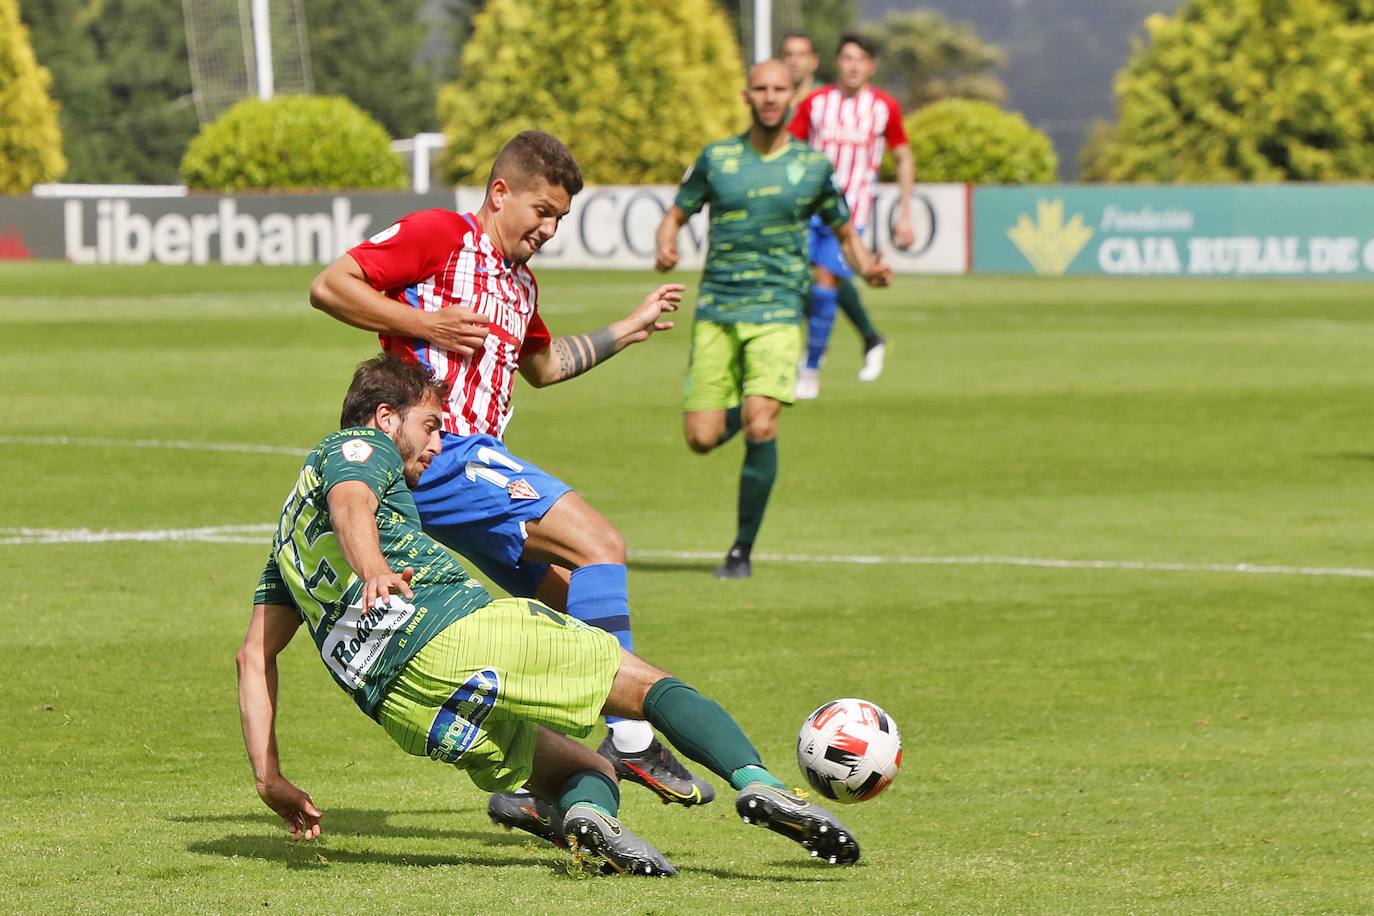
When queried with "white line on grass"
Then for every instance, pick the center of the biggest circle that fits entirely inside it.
(216, 534)
(1250, 569)
(256, 534)
(154, 443)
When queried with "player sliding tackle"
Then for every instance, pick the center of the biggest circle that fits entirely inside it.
(494, 687)
(454, 292)
(762, 187)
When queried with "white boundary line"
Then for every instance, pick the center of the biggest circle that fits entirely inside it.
(217, 534)
(1250, 569)
(154, 443)
(257, 534)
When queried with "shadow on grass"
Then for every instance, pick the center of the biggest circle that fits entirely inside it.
(1348, 456)
(314, 856)
(364, 822)
(673, 566)
(371, 822)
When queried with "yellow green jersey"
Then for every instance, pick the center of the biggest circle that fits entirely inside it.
(363, 648)
(757, 264)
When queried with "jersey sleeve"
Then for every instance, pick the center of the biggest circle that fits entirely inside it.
(831, 206)
(363, 454)
(537, 336)
(801, 121)
(895, 132)
(414, 248)
(696, 186)
(272, 589)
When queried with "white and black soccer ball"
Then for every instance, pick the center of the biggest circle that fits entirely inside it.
(849, 750)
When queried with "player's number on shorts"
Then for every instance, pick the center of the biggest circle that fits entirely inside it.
(488, 457)
(538, 610)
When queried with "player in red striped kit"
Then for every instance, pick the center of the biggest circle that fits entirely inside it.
(454, 292)
(853, 123)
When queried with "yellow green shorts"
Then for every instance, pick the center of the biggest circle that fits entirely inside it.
(476, 694)
(732, 361)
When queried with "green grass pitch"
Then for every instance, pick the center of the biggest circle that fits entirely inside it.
(1078, 739)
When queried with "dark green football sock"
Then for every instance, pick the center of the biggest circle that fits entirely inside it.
(704, 732)
(854, 309)
(755, 483)
(590, 788)
(734, 421)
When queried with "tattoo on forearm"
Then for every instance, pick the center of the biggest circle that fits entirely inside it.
(579, 352)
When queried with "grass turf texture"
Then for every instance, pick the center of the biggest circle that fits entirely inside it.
(1076, 740)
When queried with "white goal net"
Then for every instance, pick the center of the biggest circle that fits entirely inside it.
(221, 50)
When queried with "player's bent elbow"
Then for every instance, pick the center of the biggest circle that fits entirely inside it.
(319, 293)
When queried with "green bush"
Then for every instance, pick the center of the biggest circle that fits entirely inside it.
(960, 140)
(1246, 90)
(635, 88)
(292, 141)
(30, 139)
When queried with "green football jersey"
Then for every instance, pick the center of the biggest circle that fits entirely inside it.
(757, 262)
(363, 648)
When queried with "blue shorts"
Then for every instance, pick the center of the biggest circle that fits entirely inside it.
(476, 497)
(826, 252)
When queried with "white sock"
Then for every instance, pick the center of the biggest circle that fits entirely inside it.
(631, 736)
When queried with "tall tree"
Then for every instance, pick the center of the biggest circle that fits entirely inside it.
(634, 87)
(1247, 90)
(370, 51)
(119, 71)
(924, 57)
(30, 139)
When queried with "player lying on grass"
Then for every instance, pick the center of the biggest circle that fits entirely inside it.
(762, 187)
(454, 292)
(493, 687)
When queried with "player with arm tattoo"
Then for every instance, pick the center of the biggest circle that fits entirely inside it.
(467, 275)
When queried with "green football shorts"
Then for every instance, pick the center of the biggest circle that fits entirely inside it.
(475, 695)
(732, 361)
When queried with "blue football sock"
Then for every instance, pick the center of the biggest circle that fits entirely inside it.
(825, 301)
(599, 596)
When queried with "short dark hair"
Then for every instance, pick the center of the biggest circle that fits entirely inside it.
(387, 379)
(788, 36)
(865, 43)
(533, 154)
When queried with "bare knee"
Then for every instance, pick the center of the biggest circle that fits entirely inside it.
(604, 544)
(700, 443)
(761, 429)
(703, 429)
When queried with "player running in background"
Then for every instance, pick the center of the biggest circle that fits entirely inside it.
(852, 122)
(491, 687)
(799, 54)
(762, 187)
(454, 293)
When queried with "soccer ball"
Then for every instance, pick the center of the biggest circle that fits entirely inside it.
(849, 750)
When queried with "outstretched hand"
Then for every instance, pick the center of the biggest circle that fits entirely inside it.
(643, 322)
(377, 589)
(297, 811)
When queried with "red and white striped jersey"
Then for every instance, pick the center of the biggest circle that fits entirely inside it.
(436, 258)
(853, 131)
